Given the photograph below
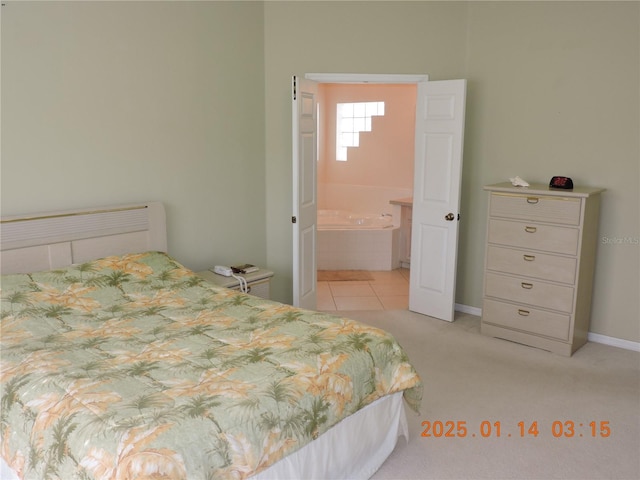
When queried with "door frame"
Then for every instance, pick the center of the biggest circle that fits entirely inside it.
(365, 78)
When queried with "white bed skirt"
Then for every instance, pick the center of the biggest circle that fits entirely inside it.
(353, 449)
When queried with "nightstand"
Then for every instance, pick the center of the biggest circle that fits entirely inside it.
(258, 282)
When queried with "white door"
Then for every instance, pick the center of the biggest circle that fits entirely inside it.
(440, 111)
(305, 140)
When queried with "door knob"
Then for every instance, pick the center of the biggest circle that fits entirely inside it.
(449, 217)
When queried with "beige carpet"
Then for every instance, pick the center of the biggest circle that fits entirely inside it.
(344, 275)
(472, 378)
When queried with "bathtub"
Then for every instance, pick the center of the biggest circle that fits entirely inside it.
(341, 219)
(356, 241)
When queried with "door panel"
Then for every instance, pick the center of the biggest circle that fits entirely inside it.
(437, 169)
(432, 270)
(305, 140)
(440, 112)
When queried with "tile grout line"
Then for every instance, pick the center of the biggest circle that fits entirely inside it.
(369, 283)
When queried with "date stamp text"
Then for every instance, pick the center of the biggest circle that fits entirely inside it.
(522, 429)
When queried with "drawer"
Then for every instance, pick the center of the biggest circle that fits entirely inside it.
(260, 288)
(532, 292)
(532, 264)
(526, 319)
(560, 210)
(549, 238)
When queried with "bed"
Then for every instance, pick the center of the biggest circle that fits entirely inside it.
(120, 363)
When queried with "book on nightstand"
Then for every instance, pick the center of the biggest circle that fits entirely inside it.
(244, 268)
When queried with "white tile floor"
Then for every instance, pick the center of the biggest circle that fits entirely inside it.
(389, 290)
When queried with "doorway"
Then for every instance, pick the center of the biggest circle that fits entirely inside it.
(359, 268)
(439, 135)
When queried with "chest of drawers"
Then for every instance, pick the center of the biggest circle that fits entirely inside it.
(539, 265)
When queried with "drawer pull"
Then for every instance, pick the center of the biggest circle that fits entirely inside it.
(527, 286)
(529, 229)
(529, 258)
(533, 200)
(523, 313)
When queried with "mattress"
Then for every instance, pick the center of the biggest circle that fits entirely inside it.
(133, 366)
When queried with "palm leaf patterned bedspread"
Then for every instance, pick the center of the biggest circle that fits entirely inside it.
(134, 367)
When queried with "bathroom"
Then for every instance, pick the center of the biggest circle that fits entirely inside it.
(361, 193)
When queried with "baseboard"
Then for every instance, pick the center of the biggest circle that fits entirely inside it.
(468, 309)
(592, 337)
(613, 341)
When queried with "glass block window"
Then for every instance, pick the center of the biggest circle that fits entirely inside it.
(353, 118)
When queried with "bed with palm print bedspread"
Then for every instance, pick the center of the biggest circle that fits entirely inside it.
(133, 365)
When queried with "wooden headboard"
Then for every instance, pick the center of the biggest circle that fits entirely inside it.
(52, 240)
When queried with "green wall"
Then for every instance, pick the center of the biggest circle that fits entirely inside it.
(117, 102)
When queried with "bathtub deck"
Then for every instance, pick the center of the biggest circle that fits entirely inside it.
(388, 290)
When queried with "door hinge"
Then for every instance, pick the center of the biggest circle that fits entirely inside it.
(294, 219)
(294, 90)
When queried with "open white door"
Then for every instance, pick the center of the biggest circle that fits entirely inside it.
(305, 140)
(440, 111)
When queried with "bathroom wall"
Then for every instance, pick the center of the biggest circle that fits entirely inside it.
(381, 168)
